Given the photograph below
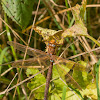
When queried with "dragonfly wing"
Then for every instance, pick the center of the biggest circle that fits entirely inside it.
(40, 62)
(68, 63)
(67, 70)
(30, 51)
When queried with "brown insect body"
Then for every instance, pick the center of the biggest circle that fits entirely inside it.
(43, 60)
(51, 47)
(51, 51)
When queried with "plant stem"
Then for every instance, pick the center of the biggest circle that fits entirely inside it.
(93, 39)
(68, 14)
(97, 78)
(9, 37)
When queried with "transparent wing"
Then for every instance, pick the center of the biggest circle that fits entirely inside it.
(64, 67)
(40, 62)
(30, 51)
(71, 72)
(68, 63)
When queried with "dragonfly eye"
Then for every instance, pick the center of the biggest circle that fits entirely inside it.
(51, 60)
(53, 45)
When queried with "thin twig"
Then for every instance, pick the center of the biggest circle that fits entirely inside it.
(40, 86)
(62, 11)
(68, 47)
(6, 71)
(27, 45)
(11, 82)
(87, 47)
(69, 88)
(93, 5)
(59, 12)
(2, 32)
(13, 31)
(24, 81)
(83, 53)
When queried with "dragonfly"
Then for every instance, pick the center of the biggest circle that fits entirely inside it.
(41, 58)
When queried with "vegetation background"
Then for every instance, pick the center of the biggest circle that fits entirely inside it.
(16, 19)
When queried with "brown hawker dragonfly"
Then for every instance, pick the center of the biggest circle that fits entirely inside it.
(43, 59)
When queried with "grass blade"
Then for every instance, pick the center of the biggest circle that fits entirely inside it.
(97, 78)
(64, 93)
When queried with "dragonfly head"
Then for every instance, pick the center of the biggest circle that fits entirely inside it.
(52, 43)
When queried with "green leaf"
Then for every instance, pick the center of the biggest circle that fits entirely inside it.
(90, 91)
(83, 9)
(74, 74)
(70, 95)
(19, 11)
(78, 29)
(83, 78)
(49, 34)
(36, 82)
(58, 83)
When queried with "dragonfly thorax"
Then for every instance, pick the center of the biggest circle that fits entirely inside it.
(52, 43)
(51, 47)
